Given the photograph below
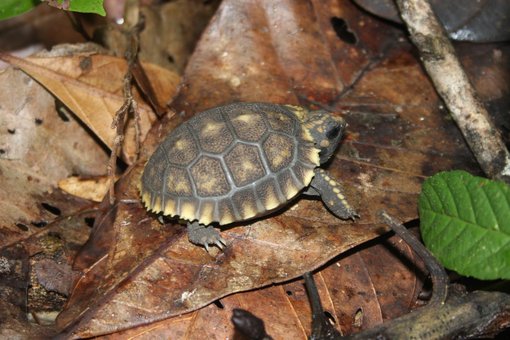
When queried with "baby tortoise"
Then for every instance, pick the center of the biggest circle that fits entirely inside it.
(241, 161)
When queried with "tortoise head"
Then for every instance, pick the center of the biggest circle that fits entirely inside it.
(326, 131)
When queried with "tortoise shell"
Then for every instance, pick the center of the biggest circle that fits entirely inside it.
(231, 163)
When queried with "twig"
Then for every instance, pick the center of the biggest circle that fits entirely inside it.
(437, 273)
(321, 328)
(459, 316)
(249, 325)
(129, 107)
(452, 84)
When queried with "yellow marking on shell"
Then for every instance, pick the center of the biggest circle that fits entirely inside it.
(336, 190)
(280, 158)
(181, 144)
(188, 211)
(206, 213)
(308, 176)
(331, 203)
(248, 165)
(146, 199)
(170, 208)
(313, 156)
(226, 219)
(300, 112)
(306, 135)
(291, 191)
(181, 186)
(211, 129)
(245, 118)
(211, 185)
(157, 205)
(248, 210)
(271, 201)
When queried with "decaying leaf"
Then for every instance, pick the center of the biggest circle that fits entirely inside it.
(138, 271)
(39, 146)
(14, 276)
(93, 189)
(139, 277)
(285, 308)
(90, 85)
(170, 34)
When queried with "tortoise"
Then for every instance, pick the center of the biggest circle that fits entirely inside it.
(242, 161)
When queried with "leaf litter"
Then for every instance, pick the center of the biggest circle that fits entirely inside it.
(136, 271)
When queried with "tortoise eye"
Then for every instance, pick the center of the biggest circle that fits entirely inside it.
(333, 133)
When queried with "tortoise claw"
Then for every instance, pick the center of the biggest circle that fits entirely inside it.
(205, 236)
(161, 219)
(220, 243)
(354, 216)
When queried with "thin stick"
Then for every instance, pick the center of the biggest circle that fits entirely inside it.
(437, 273)
(321, 327)
(129, 107)
(452, 84)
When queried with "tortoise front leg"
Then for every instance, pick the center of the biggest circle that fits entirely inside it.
(203, 235)
(331, 194)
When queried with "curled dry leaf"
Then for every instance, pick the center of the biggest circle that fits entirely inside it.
(93, 189)
(90, 85)
(40, 144)
(137, 271)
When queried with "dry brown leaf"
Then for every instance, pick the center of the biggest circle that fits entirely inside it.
(138, 271)
(171, 32)
(14, 276)
(35, 276)
(90, 85)
(349, 289)
(93, 189)
(38, 148)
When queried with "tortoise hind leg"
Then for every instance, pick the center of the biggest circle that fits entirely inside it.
(331, 194)
(203, 235)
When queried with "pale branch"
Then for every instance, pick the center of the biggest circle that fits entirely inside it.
(452, 84)
(129, 107)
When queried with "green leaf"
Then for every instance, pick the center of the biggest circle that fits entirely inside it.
(11, 8)
(465, 223)
(87, 6)
(82, 6)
